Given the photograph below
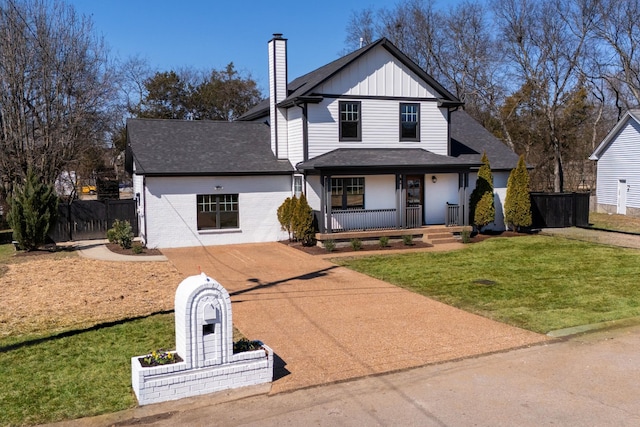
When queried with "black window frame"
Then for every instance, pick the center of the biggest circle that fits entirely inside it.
(221, 212)
(344, 120)
(340, 187)
(415, 124)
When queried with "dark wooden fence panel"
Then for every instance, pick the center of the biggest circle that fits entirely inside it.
(90, 219)
(557, 210)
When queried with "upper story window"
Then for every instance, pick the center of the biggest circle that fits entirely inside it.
(350, 121)
(409, 122)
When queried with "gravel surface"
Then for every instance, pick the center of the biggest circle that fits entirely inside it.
(596, 236)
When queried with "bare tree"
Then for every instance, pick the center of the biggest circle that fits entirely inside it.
(56, 89)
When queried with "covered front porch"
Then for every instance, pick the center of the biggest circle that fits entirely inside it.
(381, 189)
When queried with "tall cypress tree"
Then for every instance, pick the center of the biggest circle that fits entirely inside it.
(482, 210)
(517, 205)
(34, 211)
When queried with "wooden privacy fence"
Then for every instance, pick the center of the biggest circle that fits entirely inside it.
(557, 210)
(90, 219)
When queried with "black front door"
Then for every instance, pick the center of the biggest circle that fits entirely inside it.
(415, 200)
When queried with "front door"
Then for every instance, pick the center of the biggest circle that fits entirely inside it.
(622, 197)
(415, 200)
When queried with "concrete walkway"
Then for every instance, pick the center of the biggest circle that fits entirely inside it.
(96, 249)
(327, 323)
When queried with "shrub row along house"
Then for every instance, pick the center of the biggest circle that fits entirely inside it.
(372, 140)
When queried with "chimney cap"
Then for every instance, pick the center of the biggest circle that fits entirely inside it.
(277, 35)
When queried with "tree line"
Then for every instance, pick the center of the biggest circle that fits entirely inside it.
(549, 77)
(64, 99)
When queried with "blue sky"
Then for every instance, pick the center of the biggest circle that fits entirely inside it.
(206, 34)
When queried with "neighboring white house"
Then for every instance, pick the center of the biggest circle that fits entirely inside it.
(372, 140)
(618, 171)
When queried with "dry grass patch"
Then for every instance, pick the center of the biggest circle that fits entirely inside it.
(60, 293)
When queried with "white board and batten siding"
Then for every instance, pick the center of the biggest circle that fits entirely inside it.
(173, 203)
(620, 160)
(294, 135)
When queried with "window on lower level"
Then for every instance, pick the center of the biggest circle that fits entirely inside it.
(297, 185)
(217, 211)
(347, 193)
(409, 122)
(350, 121)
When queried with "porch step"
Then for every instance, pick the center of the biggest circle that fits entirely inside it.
(434, 236)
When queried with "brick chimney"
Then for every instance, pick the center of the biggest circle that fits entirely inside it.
(278, 93)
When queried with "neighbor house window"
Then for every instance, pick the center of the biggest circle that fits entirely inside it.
(217, 211)
(409, 122)
(350, 121)
(347, 193)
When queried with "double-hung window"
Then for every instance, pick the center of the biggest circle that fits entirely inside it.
(350, 121)
(347, 193)
(409, 122)
(217, 211)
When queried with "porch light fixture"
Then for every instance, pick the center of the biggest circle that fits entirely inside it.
(434, 179)
(218, 187)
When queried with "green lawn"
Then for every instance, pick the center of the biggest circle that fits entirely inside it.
(540, 283)
(77, 376)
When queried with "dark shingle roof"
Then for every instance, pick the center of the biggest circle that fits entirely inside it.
(304, 85)
(202, 147)
(469, 139)
(384, 158)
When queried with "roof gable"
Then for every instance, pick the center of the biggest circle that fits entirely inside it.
(306, 85)
(201, 147)
(611, 136)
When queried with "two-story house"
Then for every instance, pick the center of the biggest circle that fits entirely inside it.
(372, 140)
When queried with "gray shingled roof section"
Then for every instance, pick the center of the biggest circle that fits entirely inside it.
(202, 147)
(375, 158)
(469, 139)
(304, 85)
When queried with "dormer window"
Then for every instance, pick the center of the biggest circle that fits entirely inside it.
(409, 122)
(350, 123)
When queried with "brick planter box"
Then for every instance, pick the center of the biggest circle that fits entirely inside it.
(204, 341)
(170, 382)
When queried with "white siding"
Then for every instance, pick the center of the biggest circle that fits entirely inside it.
(437, 195)
(294, 137)
(620, 160)
(499, 194)
(171, 210)
(380, 127)
(138, 188)
(313, 192)
(377, 74)
(380, 192)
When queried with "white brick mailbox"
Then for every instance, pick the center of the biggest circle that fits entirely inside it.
(204, 342)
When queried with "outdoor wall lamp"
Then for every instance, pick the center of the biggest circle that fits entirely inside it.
(434, 179)
(218, 187)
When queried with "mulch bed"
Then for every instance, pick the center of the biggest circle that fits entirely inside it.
(113, 247)
(317, 250)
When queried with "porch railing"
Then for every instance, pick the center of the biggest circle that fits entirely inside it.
(452, 217)
(373, 219)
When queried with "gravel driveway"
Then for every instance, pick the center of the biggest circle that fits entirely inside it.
(327, 323)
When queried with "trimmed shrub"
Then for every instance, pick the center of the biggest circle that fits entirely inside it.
(481, 205)
(329, 245)
(285, 214)
(465, 235)
(121, 233)
(356, 244)
(302, 222)
(407, 239)
(384, 241)
(33, 211)
(517, 204)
